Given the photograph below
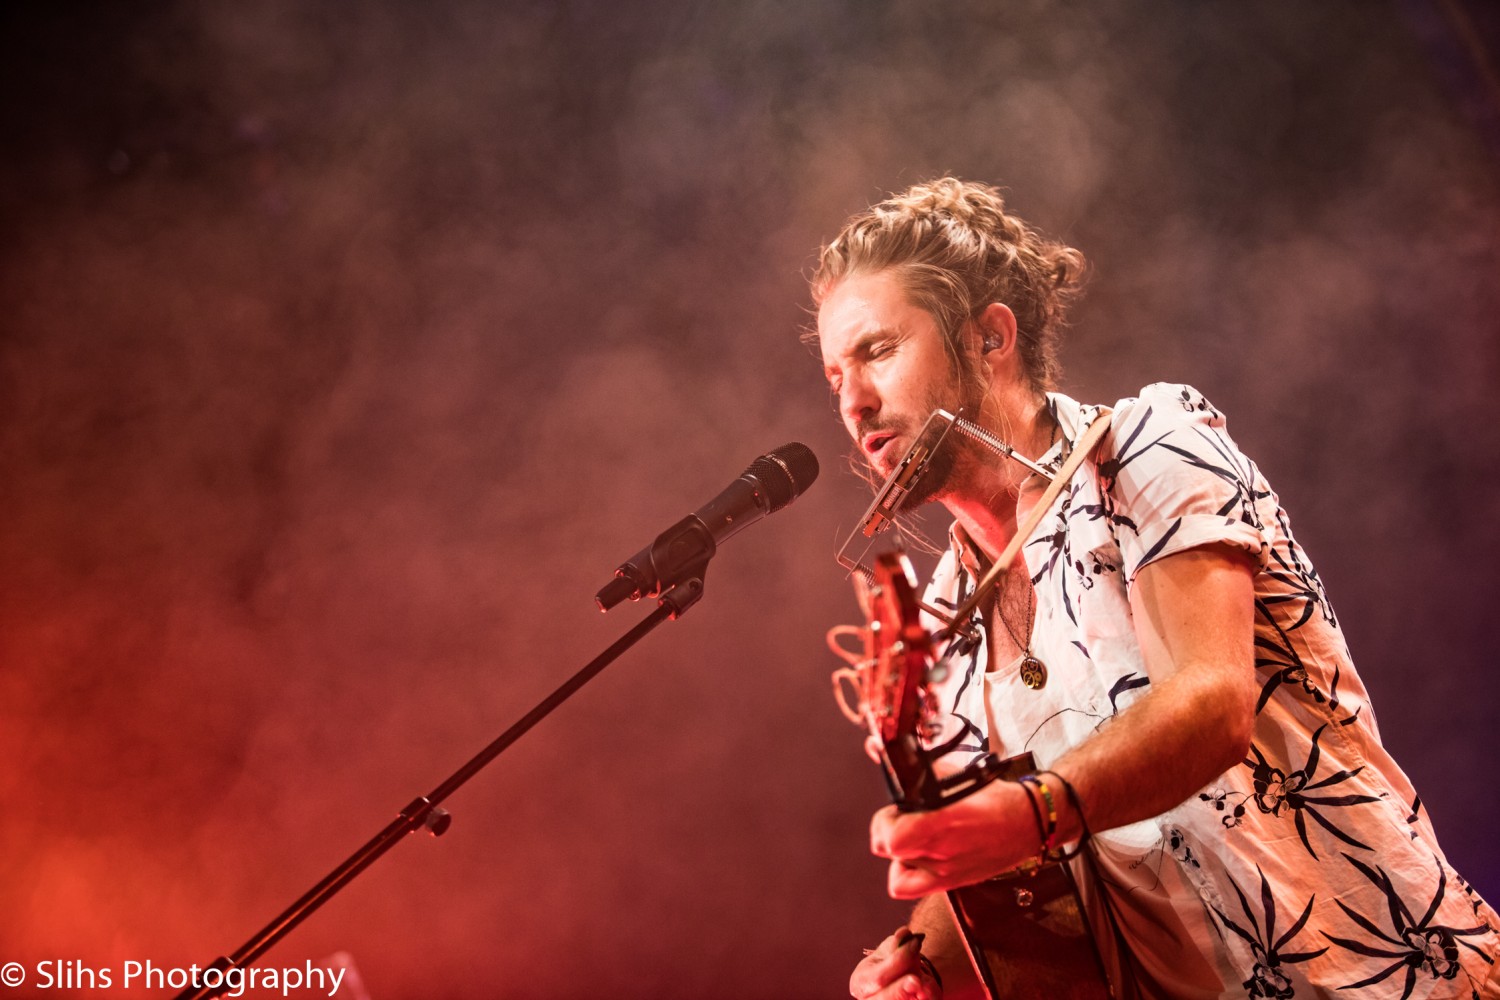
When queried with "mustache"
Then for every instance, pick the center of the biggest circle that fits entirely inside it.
(864, 428)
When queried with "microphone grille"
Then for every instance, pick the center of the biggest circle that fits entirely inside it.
(784, 473)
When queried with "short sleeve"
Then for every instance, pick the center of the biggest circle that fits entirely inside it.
(1174, 480)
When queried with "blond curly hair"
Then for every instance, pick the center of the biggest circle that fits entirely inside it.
(955, 249)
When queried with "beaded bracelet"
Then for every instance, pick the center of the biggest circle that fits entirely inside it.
(1049, 832)
(1074, 801)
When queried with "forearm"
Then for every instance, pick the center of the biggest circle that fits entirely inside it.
(1178, 737)
(1193, 614)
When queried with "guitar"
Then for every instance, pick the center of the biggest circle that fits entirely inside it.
(1025, 930)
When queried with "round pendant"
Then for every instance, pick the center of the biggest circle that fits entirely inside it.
(1033, 673)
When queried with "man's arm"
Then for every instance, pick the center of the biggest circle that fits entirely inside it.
(1194, 619)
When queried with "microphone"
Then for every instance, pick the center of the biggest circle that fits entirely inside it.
(681, 553)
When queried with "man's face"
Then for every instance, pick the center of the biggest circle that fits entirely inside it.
(885, 360)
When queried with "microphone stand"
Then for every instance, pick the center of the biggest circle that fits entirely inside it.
(424, 811)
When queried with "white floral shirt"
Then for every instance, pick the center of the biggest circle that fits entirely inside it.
(1308, 868)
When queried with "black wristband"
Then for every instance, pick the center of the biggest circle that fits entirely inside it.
(1077, 804)
(1036, 814)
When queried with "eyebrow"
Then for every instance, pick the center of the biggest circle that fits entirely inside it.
(864, 340)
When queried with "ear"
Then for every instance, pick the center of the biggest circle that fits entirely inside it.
(997, 329)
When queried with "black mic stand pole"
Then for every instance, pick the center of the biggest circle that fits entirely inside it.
(424, 811)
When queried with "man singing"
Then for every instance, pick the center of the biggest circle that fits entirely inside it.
(1163, 648)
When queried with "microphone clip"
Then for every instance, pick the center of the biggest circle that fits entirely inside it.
(671, 570)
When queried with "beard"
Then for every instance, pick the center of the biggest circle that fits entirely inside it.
(955, 461)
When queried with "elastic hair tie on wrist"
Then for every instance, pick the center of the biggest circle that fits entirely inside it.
(931, 969)
(1036, 814)
(1075, 802)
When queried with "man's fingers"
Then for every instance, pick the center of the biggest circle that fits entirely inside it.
(909, 881)
(880, 831)
(911, 835)
(913, 878)
(897, 938)
(896, 834)
(891, 971)
(908, 987)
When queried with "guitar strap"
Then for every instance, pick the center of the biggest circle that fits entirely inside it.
(1085, 444)
(1099, 909)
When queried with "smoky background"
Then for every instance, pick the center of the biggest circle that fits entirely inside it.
(344, 351)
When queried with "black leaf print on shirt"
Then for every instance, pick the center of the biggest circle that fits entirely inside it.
(1177, 843)
(1127, 683)
(1416, 945)
(1267, 978)
(1058, 549)
(1414, 815)
(1281, 654)
(1275, 791)
(1160, 544)
(1237, 471)
(1109, 469)
(1278, 793)
(1300, 582)
(966, 651)
(1196, 401)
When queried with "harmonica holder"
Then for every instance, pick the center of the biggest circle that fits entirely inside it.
(890, 499)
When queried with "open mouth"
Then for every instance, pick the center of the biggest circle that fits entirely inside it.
(877, 441)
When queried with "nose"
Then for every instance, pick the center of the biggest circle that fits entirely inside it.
(858, 400)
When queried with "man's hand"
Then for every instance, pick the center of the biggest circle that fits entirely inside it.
(893, 972)
(990, 832)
